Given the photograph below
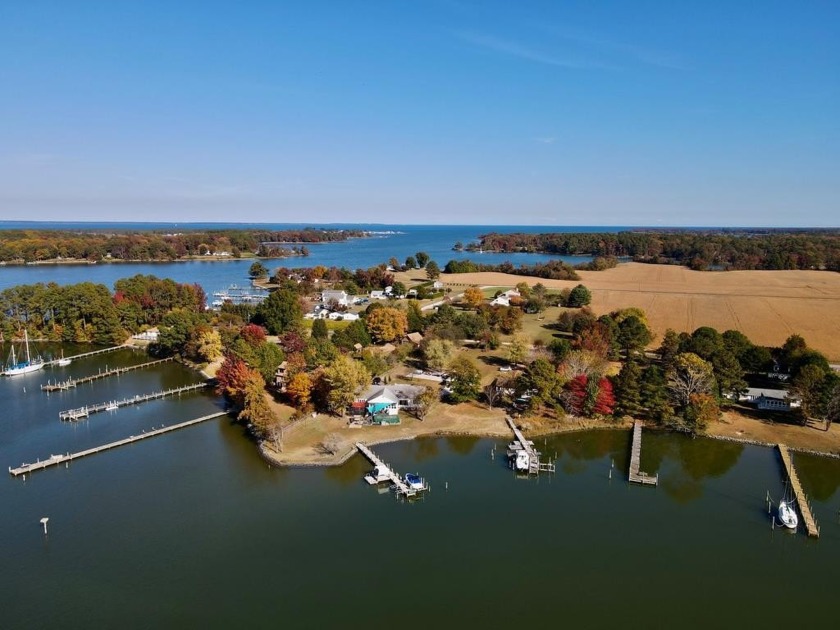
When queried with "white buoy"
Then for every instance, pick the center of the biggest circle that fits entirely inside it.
(44, 522)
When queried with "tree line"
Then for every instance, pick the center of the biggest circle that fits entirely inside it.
(47, 245)
(697, 249)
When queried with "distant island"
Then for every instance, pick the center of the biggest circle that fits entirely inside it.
(706, 249)
(71, 246)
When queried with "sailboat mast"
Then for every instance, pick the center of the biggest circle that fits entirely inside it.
(26, 341)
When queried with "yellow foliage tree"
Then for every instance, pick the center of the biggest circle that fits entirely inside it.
(387, 324)
(473, 297)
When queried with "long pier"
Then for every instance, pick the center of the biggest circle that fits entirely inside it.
(89, 354)
(400, 486)
(801, 498)
(75, 382)
(534, 464)
(636, 476)
(54, 460)
(87, 410)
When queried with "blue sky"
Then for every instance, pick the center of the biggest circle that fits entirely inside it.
(408, 111)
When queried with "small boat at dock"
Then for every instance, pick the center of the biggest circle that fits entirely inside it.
(380, 474)
(414, 481)
(787, 514)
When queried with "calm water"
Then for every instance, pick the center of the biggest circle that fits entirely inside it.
(192, 529)
(397, 241)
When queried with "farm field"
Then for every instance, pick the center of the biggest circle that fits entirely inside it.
(767, 306)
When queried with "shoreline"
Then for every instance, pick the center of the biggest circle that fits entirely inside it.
(274, 458)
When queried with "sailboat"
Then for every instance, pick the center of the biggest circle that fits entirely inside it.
(62, 362)
(787, 514)
(15, 367)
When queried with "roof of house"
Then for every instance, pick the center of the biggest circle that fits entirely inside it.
(414, 337)
(391, 393)
(755, 392)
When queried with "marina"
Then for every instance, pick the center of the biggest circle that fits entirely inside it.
(635, 475)
(75, 382)
(54, 460)
(80, 413)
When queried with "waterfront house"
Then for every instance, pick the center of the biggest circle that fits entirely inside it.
(387, 399)
(770, 399)
(340, 297)
(281, 376)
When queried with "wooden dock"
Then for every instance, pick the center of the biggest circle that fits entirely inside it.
(90, 354)
(399, 485)
(801, 498)
(54, 460)
(83, 412)
(75, 382)
(535, 466)
(636, 476)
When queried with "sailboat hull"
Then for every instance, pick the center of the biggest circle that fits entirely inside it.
(23, 369)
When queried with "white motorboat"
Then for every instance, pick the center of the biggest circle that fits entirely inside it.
(787, 514)
(380, 474)
(414, 481)
(15, 367)
(522, 461)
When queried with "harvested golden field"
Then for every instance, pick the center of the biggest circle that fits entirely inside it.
(767, 306)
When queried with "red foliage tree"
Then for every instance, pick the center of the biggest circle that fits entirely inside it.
(577, 394)
(293, 342)
(253, 334)
(232, 379)
(605, 401)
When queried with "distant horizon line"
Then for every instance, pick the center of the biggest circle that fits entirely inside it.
(4, 222)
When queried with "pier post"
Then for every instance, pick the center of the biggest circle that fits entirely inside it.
(44, 522)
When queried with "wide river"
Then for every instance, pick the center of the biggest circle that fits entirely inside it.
(193, 529)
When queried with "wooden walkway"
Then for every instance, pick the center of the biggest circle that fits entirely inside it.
(400, 486)
(54, 460)
(801, 498)
(636, 476)
(75, 382)
(87, 410)
(534, 464)
(89, 354)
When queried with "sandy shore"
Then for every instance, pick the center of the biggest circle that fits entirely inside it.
(767, 306)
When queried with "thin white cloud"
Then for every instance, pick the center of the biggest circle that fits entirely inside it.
(520, 51)
(641, 54)
(546, 140)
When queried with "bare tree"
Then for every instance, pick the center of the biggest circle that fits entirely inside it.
(274, 435)
(690, 375)
(332, 443)
(492, 393)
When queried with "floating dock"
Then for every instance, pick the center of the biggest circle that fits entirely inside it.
(89, 354)
(801, 498)
(636, 476)
(535, 466)
(75, 382)
(83, 412)
(398, 483)
(54, 460)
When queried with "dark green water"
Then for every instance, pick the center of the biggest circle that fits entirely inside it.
(192, 529)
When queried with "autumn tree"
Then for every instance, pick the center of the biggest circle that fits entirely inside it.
(473, 297)
(424, 402)
(210, 345)
(518, 348)
(701, 411)
(255, 409)
(387, 324)
(437, 353)
(345, 377)
(299, 389)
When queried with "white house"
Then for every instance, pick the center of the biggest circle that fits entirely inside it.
(150, 335)
(503, 299)
(341, 297)
(770, 399)
(378, 295)
(437, 285)
(349, 317)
